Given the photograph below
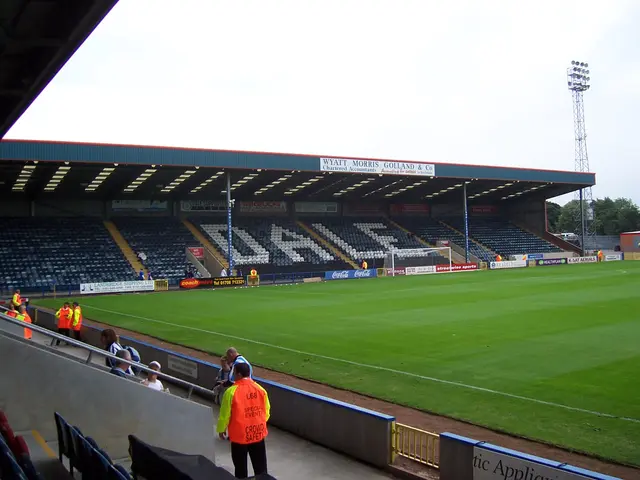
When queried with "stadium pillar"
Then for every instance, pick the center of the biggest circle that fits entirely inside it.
(229, 231)
(466, 223)
(582, 224)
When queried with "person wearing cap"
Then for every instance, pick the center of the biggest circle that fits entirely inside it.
(244, 414)
(152, 379)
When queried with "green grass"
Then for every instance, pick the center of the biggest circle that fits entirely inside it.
(567, 335)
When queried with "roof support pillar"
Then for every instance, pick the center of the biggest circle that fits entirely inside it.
(229, 223)
(466, 222)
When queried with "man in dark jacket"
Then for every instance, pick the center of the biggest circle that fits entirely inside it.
(121, 366)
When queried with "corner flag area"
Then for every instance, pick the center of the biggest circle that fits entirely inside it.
(546, 353)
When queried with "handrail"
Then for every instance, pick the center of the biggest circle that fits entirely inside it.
(190, 387)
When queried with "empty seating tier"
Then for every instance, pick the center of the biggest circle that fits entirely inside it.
(504, 237)
(270, 245)
(162, 239)
(37, 253)
(432, 231)
(367, 239)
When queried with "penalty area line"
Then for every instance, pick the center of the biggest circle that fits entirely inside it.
(376, 367)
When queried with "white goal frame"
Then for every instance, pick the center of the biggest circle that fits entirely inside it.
(416, 252)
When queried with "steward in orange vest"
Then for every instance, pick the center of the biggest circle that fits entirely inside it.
(24, 316)
(253, 272)
(244, 413)
(64, 316)
(365, 265)
(498, 258)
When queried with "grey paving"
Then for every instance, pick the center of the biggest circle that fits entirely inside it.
(289, 457)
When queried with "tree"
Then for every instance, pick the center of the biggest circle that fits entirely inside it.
(569, 219)
(612, 217)
(553, 214)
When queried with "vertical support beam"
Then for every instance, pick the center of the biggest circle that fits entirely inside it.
(229, 224)
(582, 221)
(466, 223)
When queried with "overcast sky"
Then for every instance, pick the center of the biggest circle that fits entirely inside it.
(480, 82)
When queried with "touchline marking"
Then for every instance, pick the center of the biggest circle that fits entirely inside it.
(375, 367)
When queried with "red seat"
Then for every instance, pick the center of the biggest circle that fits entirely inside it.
(19, 447)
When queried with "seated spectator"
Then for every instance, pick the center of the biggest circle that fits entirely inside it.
(121, 367)
(141, 275)
(221, 381)
(110, 343)
(233, 357)
(152, 379)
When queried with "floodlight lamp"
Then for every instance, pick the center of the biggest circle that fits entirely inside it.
(586, 65)
(588, 78)
(587, 72)
(573, 62)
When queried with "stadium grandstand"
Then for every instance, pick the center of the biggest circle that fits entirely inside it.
(290, 213)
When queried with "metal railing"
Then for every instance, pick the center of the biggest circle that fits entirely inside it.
(415, 444)
(188, 386)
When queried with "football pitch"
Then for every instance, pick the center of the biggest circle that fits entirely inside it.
(549, 353)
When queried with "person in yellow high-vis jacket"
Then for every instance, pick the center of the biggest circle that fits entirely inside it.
(76, 322)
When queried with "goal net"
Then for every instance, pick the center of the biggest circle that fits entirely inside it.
(417, 261)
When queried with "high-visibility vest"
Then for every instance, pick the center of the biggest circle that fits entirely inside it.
(245, 411)
(364, 265)
(77, 318)
(17, 300)
(64, 316)
(25, 318)
(498, 258)
(254, 273)
(12, 313)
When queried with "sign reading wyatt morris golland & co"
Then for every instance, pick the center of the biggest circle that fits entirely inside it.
(386, 167)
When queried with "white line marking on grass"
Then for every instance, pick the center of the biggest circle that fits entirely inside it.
(376, 367)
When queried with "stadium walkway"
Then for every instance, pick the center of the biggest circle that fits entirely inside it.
(289, 457)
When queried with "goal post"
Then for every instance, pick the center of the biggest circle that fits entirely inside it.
(398, 259)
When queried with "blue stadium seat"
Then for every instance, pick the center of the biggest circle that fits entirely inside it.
(504, 237)
(162, 239)
(270, 245)
(37, 253)
(433, 230)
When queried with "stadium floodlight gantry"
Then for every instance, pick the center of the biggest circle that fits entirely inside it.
(289, 211)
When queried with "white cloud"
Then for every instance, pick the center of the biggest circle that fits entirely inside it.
(467, 81)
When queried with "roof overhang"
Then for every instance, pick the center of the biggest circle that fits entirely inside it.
(37, 37)
(113, 171)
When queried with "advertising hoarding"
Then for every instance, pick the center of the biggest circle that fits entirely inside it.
(263, 207)
(117, 287)
(215, 282)
(203, 206)
(507, 264)
(551, 261)
(139, 205)
(575, 260)
(378, 167)
(348, 274)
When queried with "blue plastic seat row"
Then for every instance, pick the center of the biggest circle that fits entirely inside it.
(84, 454)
